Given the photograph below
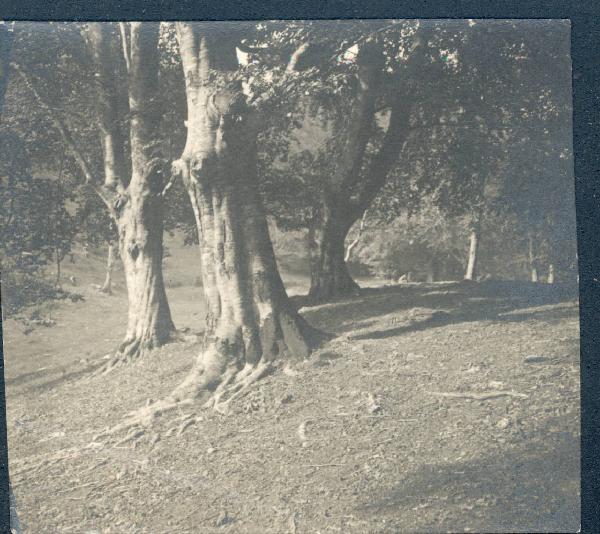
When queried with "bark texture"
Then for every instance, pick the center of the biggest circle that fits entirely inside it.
(250, 321)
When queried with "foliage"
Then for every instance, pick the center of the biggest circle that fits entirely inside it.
(35, 226)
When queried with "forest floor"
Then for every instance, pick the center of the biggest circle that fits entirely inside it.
(442, 407)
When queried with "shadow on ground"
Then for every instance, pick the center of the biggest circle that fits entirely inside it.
(521, 490)
(454, 302)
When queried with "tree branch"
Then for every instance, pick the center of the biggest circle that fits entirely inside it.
(295, 57)
(125, 45)
(394, 141)
(66, 136)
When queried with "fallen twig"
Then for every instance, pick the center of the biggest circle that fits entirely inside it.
(323, 465)
(479, 396)
(361, 416)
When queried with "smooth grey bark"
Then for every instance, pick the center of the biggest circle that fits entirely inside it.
(132, 193)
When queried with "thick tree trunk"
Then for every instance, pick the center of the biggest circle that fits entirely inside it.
(330, 276)
(149, 323)
(250, 321)
(550, 279)
(110, 260)
(133, 190)
(471, 271)
(352, 187)
(139, 211)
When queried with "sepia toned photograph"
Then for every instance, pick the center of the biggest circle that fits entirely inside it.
(288, 277)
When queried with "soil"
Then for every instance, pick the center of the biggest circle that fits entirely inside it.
(445, 407)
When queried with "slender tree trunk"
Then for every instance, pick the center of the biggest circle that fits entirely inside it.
(110, 260)
(532, 258)
(250, 321)
(312, 248)
(356, 240)
(432, 273)
(471, 271)
(58, 262)
(550, 273)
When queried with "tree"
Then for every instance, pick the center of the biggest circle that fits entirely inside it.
(135, 201)
(392, 85)
(251, 324)
(133, 184)
(362, 162)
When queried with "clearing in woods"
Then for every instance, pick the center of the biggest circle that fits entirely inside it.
(437, 407)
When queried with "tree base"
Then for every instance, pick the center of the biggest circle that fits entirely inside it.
(204, 388)
(135, 349)
(217, 379)
(326, 292)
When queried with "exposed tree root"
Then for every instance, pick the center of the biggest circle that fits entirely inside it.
(205, 387)
(132, 350)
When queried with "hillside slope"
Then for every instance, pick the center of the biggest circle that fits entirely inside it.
(437, 407)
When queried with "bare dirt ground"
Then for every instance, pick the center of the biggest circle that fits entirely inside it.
(436, 408)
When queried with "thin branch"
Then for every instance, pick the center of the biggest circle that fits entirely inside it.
(295, 57)
(65, 134)
(126, 45)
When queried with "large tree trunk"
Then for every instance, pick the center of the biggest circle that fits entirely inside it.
(250, 321)
(131, 190)
(330, 276)
(149, 323)
(353, 186)
(550, 279)
(136, 203)
(471, 271)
